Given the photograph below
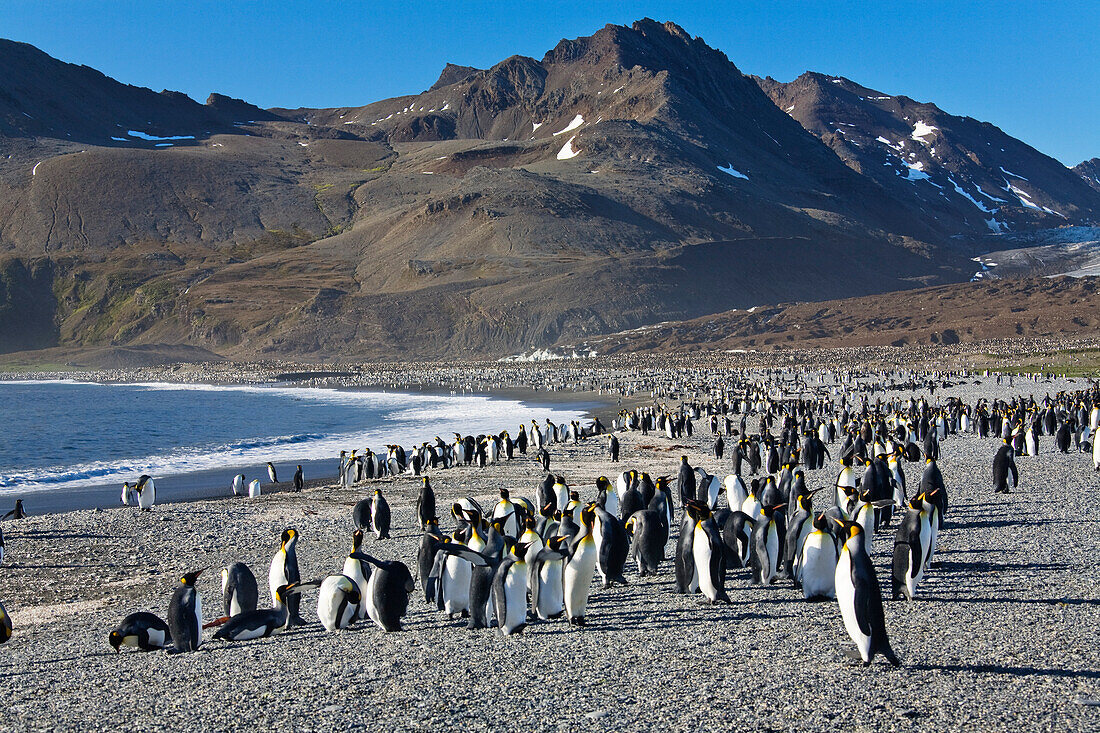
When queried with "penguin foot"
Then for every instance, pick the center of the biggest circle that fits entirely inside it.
(578, 621)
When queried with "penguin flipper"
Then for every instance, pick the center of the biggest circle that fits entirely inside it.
(868, 604)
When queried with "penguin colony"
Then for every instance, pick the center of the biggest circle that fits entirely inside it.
(534, 559)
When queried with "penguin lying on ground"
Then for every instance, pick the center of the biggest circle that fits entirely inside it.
(141, 630)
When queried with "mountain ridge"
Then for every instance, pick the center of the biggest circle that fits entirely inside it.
(628, 177)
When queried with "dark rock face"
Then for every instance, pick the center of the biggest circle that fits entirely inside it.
(1090, 171)
(628, 177)
(27, 305)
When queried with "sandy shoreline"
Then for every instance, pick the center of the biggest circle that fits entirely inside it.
(1006, 637)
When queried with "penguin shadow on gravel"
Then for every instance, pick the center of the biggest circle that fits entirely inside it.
(21, 670)
(1000, 669)
(668, 618)
(56, 534)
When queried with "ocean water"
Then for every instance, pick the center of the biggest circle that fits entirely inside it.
(67, 444)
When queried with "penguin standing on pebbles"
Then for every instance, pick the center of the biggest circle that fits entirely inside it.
(240, 592)
(238, 485)
(5, 624)
(859, 597)
(146, 493)
(708, 554)
(360, 514)
(817, 562)
(510, 591)
(388, 592)
(578, 573)
(911, 548)
(141, 630)
(547, 591)
(612, 546)
(425, 504)
(271, 473)
(380, 515)
(358, 571)
(299, 480)
(185, 614)
(1004, 465)
(649, 537)
(284, 571)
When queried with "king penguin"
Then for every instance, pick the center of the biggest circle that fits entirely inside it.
(859, 597)
(425, 504)
(547, 589)
(338, 602)
(816, 570)
(380, 515)
(388, 592)
(146, 493)
(240, 593)
(510, 591)
(141, 630)
(577, 576)
(706, 550)
(284, 571)
(359, 571)
(185, 614)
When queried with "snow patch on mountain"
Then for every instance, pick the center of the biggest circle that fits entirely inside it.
(921, 131)
(577, 122)
(568, 151)
(731, 171)
(147, 136)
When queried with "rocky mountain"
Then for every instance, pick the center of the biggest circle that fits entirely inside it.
(967, 176)
(1090, 171)
(41, 97)
(626, 178)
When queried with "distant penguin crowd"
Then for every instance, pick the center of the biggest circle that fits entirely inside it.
(819, 473)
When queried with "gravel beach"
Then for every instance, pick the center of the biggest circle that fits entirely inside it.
(1005, 634)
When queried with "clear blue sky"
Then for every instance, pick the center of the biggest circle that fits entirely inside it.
(1031, 68)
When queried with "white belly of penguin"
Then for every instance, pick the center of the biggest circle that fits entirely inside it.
(551, 592)
(817, 566)
(846, 598)
(353, 570)
(515, 596)
(156, 637)
(578, 578)
(700, 550)
(329, 604)
(198, 620)
(147, 496)
(456, 585)
(276, 577)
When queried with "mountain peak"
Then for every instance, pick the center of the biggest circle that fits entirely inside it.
(452, 74)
